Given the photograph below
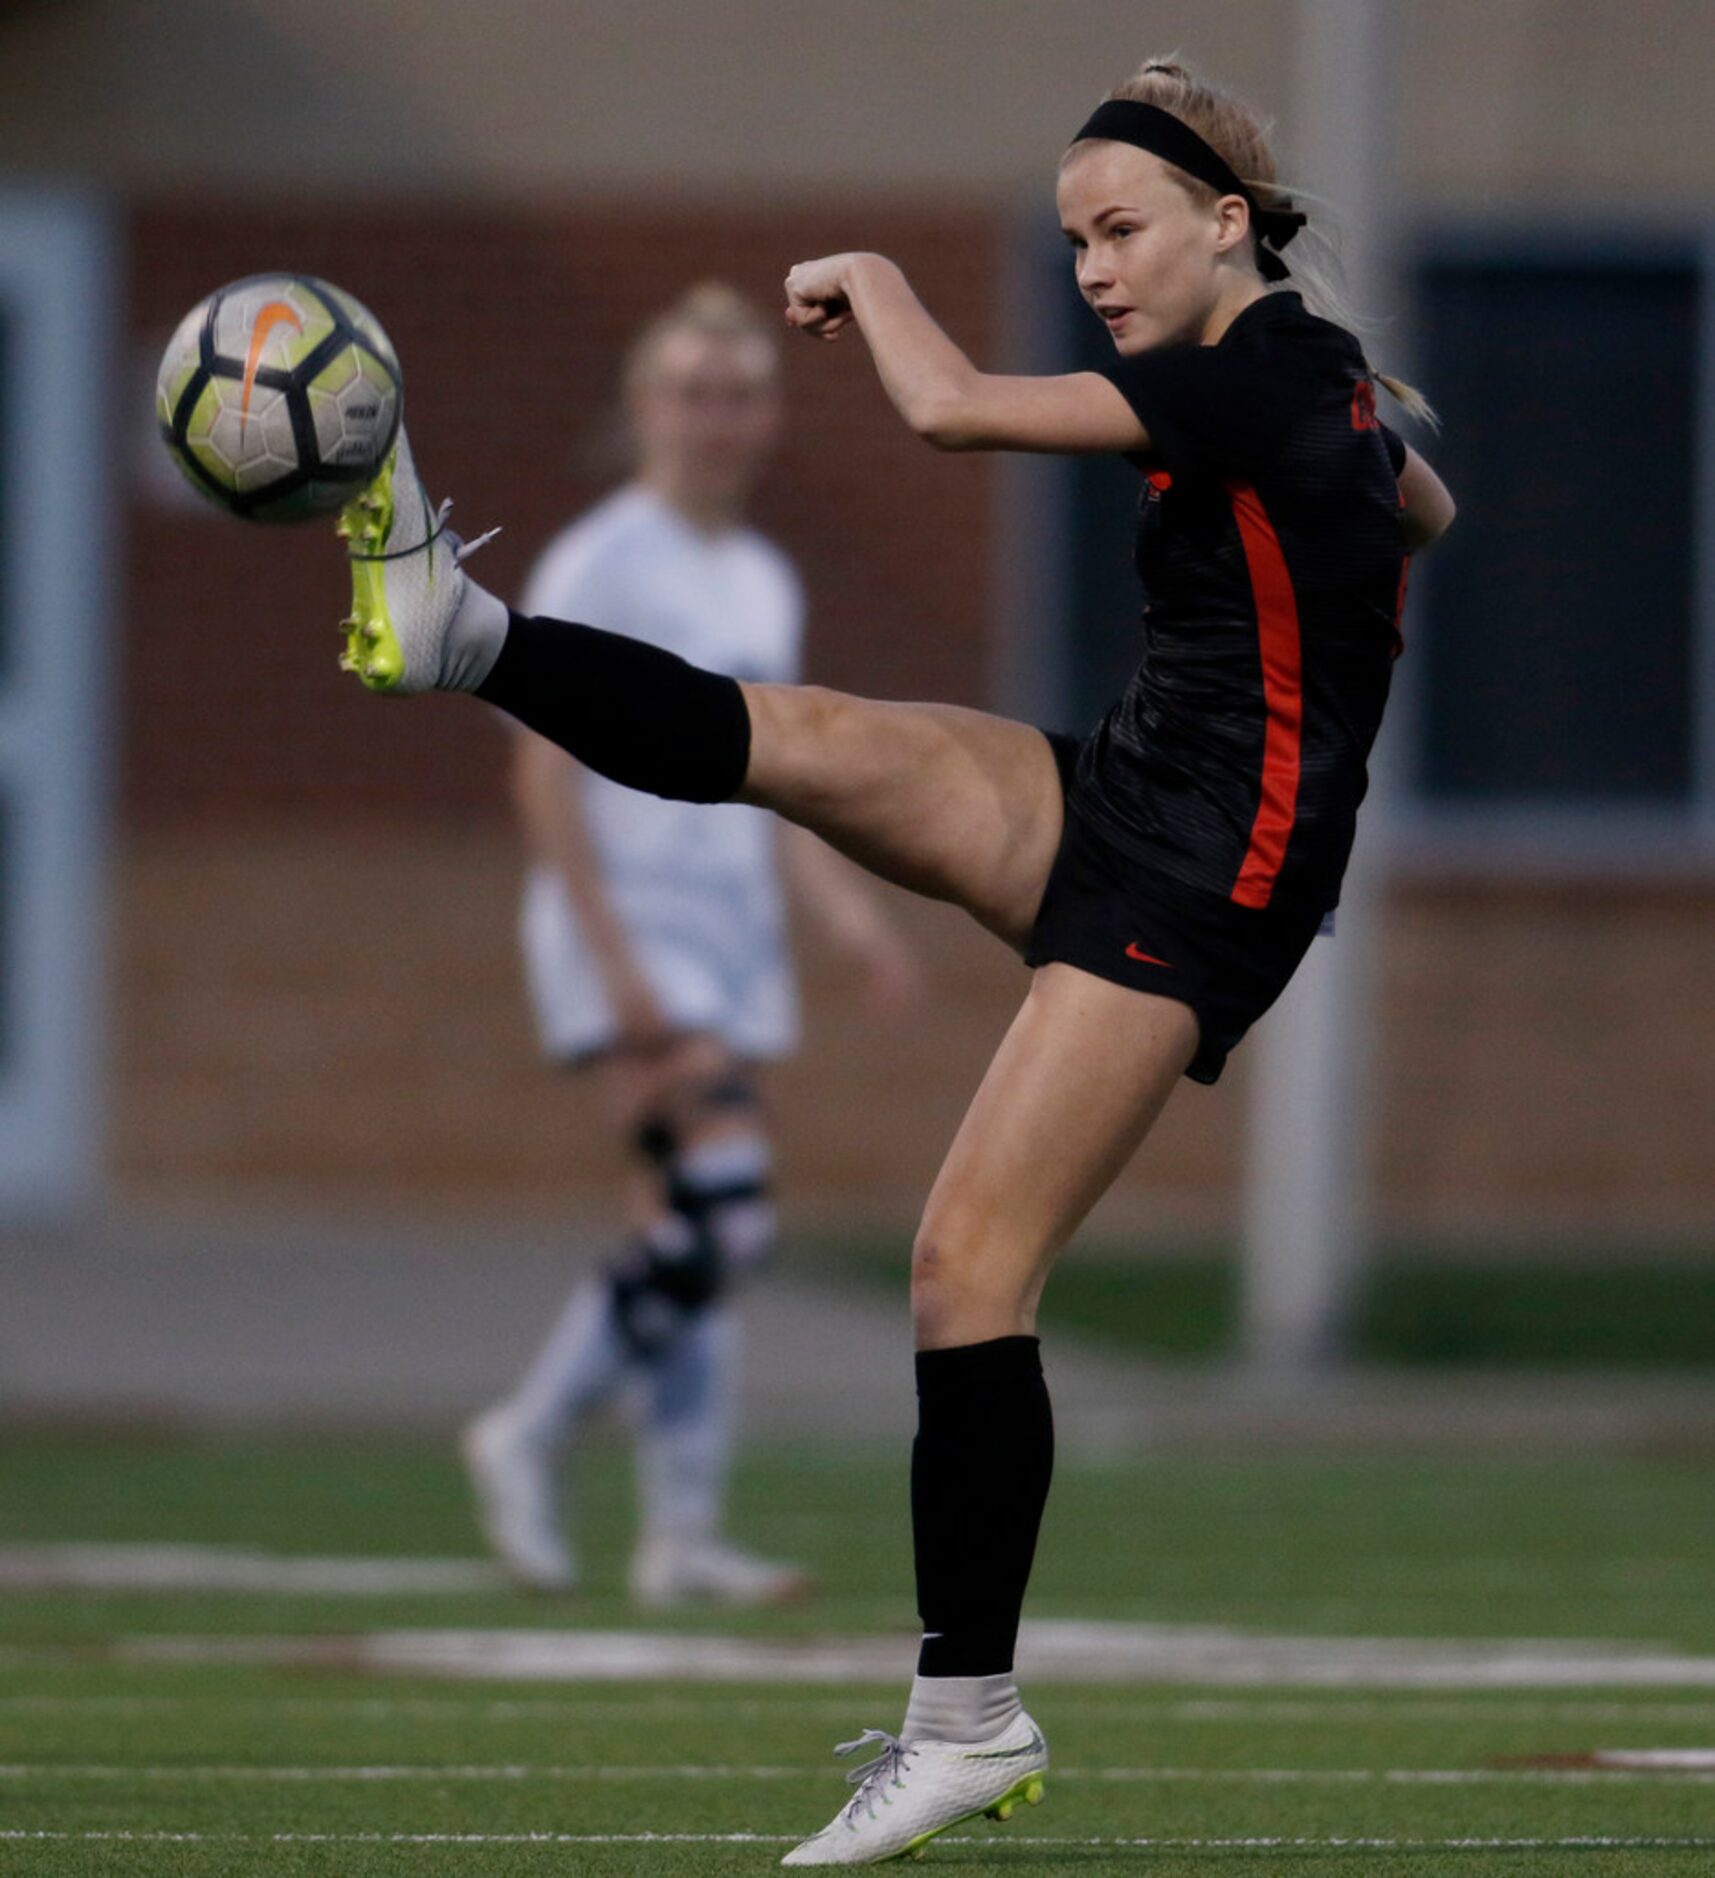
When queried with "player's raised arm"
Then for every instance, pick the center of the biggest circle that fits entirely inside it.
(934, 387)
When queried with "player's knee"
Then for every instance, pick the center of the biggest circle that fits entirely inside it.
(722, 1187)
(953, 1290)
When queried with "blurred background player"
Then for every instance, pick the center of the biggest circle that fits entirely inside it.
(655, 946)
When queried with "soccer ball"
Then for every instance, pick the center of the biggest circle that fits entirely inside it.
(279, 397)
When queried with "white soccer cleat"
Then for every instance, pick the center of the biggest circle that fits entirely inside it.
(914, 1789)
(517, 1503)
(667, 1572)
(417, 622)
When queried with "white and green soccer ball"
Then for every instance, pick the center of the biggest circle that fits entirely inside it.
(279, 397)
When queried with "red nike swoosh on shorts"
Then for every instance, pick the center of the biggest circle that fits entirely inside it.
(1134, 951)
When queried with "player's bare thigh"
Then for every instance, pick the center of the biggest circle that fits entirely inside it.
(958, 805)
(1076, 1084)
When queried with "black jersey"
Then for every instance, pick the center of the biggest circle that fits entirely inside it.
(1273, 566)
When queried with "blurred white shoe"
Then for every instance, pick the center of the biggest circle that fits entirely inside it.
(517, 1502)
(915, 1789)
(670, 1571)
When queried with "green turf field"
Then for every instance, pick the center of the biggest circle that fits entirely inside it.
(126, 1747)
(1419, 1305)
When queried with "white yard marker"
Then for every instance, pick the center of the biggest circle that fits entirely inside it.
(1077, 1652)
(1654, 1773)
(998, 1843)
(1222, 1711)
(236, 1568)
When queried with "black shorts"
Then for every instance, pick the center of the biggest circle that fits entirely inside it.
(1112, 916)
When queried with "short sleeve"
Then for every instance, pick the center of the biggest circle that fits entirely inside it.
(1395, 448)
(1210, 410)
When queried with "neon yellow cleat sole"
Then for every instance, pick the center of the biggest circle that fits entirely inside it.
(372, 650)
(1031, 1791)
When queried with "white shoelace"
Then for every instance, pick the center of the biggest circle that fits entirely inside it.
(462, 549)
(873, 1776)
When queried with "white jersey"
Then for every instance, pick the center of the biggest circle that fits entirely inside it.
(695, 885)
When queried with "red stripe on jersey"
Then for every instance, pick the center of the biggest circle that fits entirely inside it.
(1399, 607)
(1283, 693)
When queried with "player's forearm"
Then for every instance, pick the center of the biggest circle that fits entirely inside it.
(928, 378)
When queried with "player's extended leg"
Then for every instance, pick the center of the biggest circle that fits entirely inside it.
(1077, 1083)
(955, 804)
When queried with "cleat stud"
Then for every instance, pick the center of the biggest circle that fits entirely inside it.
(372, 633)
(1033, 1794)
(369, 501)
(1002, 1812)
(347, 663)
(375, 669)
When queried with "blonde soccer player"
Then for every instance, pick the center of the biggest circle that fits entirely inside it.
(656, 952)
(1161, 876)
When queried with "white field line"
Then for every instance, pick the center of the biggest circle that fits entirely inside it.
(1052, 1650)
(1657, 1760)
(696, 1705)
(1653, 1774)
(237, 1568)
(997, 1843)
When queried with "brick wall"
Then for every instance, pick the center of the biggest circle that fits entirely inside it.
(510, 327)
(317, 983)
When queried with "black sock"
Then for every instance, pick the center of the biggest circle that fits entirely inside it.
(980, 1468)
(633, 713)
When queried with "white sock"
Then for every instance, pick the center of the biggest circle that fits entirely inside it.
(582, 1363)
(684, 1445)
(959, 1708)
(475, 634)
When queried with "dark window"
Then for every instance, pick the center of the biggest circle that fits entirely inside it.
(1557, 637)
(5, 492)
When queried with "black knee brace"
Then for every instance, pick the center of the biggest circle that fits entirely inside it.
(720, 1221)
(662, 1282)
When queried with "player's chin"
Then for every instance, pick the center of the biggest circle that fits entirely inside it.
(1133, 334)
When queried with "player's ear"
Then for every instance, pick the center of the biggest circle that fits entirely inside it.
(1233, 224)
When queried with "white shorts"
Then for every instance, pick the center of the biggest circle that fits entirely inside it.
(711, 967)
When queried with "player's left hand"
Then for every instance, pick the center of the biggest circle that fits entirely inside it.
(816, 302)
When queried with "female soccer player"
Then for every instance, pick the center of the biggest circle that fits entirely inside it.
(1162, 876)
(655, 947)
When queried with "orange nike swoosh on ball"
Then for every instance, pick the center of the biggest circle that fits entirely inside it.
(275, 313)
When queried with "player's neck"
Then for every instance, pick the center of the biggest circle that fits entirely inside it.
(1234, 299)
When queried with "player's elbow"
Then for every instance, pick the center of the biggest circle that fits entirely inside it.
(948, 412)
(944, 422)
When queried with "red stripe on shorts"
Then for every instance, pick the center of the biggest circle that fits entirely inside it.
(1283, 693)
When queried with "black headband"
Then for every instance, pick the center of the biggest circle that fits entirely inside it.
(1125, 120)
